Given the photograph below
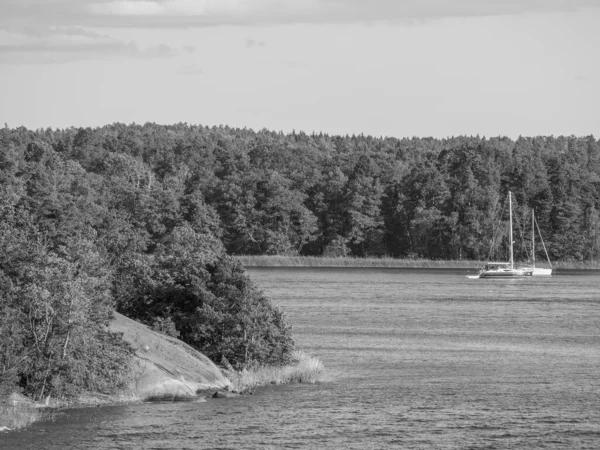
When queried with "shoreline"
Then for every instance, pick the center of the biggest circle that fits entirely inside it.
(19, 414)
(164, 369)
(387, 262)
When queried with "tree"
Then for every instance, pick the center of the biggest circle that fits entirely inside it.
(362, 221)
(208, 297)
(232, 319)
(420, 208)
(326, 201)
(263, 215)
(59, 301)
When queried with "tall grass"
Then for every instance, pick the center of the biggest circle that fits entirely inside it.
(582, 265)
(306, 369)
(385, 261)
(349, 261)
(18, 415)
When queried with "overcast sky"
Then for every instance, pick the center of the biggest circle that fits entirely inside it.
(381, 67)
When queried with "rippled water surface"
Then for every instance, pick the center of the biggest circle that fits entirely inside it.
(415, 358)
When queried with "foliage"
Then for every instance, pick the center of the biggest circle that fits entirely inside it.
(236, 321)
(165, 326)
(301, 369)
(213, 307)
(140, 217)
(269, 193)
(18, 415)
(55, 309)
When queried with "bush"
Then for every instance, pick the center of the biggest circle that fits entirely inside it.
(213, 306)
(232, 319)
(18, 415)
(302, 369)
(165, 326)
(100, 362)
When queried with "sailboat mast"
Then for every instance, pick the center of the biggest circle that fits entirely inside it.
(510, 230)
(533, 237)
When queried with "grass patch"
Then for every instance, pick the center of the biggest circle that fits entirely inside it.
(577, 265)
(18, 415)
(306, 369)
(22, 412)
(386, 261)
(350, 261)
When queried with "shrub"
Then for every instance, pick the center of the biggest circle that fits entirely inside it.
(301, 369)
(233, 319)
(19, 415)
(165, 326)
(213, 305)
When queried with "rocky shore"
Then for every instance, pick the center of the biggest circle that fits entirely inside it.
(166, 368)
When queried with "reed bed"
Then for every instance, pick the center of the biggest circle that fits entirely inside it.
(576, 265)
(18, 415)
(349, 261)
(306, 369)
(386, 261)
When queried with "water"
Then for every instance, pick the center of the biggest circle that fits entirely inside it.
(416, 359)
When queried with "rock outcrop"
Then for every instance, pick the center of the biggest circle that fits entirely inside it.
(166, 368)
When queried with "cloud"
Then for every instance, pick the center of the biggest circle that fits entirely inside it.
(190, 70)
(198, 9)
(199, 13)
(157, 51)
(251, 43)
(50, 45)
(75, 27)
(45, 31)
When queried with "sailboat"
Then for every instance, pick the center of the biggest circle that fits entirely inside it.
(505, 269)
(537, 271)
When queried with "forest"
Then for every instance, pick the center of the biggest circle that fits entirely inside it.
(264, 192)
(147, 219)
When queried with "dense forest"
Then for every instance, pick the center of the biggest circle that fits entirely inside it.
(273, 193)
(144, 219)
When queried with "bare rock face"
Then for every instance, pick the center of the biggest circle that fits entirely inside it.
(165, 368)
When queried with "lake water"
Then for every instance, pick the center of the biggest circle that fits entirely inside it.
(416, 359)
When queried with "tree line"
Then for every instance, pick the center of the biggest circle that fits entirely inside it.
(264, 192)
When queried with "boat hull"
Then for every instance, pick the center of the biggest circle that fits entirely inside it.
(505, 274)
(540, 271)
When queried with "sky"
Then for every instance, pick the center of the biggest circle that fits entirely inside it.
(397, 68)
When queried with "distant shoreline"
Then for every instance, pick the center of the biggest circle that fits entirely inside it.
(386, 262)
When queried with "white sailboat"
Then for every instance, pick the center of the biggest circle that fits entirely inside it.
(504, 269)
(537, 271)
